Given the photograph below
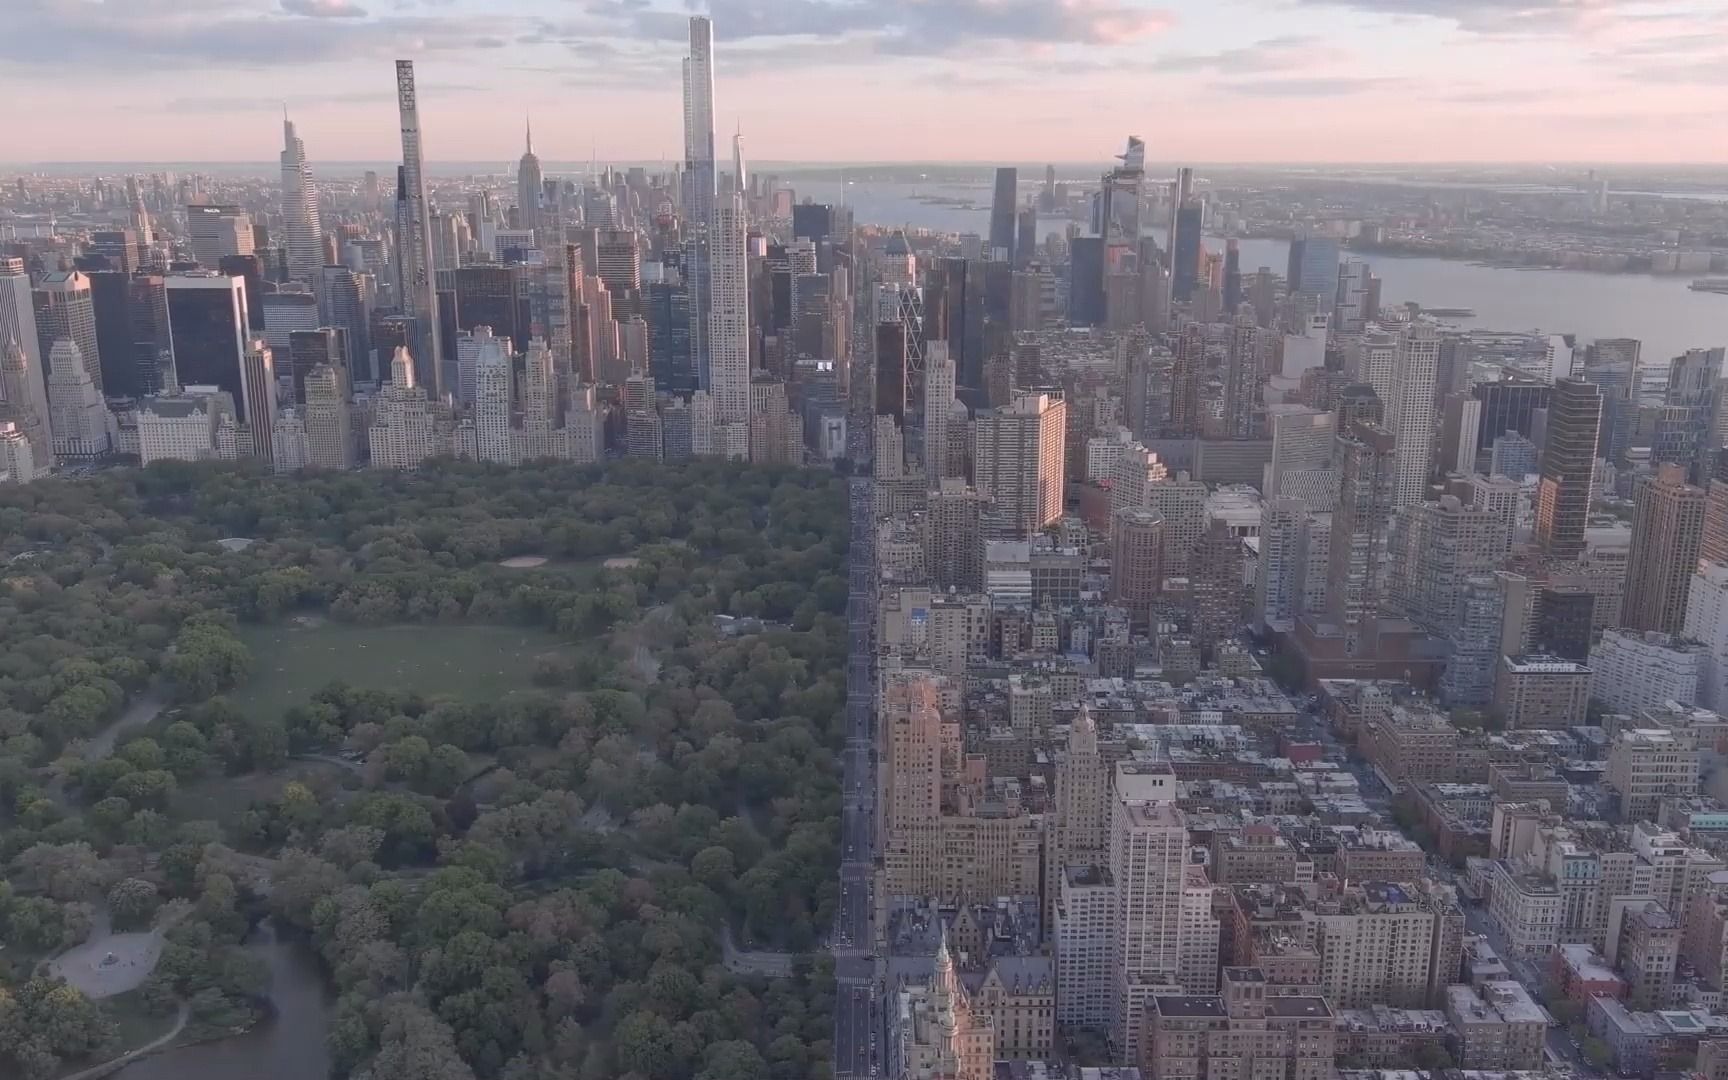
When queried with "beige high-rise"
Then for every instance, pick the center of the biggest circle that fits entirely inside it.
(329, 439)
(1136, 560)
(912, 784)
(1148, 862)
(1667, 530)
(1017, 455)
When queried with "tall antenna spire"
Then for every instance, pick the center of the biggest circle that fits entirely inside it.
(528, 127)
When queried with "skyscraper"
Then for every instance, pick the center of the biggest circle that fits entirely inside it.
(1002, 214)
(402, 432)
(1148, 854)
(911, 779)
(18, 324)
(76, 417)
(1410, 409)
(729, 316)
(529, 185)
(216, 231)
(304, 232)
(1367, 481)
(1313, 270)
(283, 313)
(740, 178)
(29, 379)
(1086, 281)
(1136, 560)
(1185, 246)
(491, 396)
(1186, 375)
(329, 443)
(1232, 277)
(1667, 530)
(342, 304)
(1242, 379)
(1568, 460)
(20, 389)
(208, 330)
(1612, 364)
(667, 309)
(66, 309)
(417, 295)
(307, 349)
(258, 377)
(1017, 460)
(938, 402)
(698, 194)
(893, 372)
(618, 260)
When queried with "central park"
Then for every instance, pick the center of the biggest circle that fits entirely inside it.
(504, 760)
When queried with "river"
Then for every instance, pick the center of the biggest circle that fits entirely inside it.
(287, 1045)
(1660, 311)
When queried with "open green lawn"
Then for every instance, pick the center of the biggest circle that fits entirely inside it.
(291, 660)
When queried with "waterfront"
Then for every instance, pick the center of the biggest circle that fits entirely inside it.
(288, 1044)
(1662, 312)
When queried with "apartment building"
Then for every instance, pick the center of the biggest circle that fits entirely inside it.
(1495, 1026)
(1541, 692)
(1243, 1033)
(1647, 765)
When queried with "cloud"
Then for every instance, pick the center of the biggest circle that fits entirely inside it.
(1269, 54)
(226, 34)
(1316, 87)
(1500, 17)
(1504, 95)
(324, 9)
(222, 104)
(919, 26)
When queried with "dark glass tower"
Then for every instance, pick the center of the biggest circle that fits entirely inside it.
(1568, 460)
(1185, 251)
(668, 317)
(208, 328)
(1002, 214)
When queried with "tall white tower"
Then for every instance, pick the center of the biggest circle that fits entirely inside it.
(698, 191)
(729, 313)
(1410, 410)
(696, 195)
(740, 179)
(303, 230)
(419, 297)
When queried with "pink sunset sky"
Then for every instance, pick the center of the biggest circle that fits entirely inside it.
(876, 80)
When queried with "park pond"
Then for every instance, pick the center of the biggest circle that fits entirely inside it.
(288, 1044)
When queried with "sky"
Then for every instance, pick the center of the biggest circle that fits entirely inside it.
(1601, 81)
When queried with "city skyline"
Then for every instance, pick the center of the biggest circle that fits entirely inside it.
(1317, 80)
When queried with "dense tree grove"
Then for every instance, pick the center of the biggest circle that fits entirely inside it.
(533, 886)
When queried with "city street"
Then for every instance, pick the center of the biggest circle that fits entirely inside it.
(857, 1017)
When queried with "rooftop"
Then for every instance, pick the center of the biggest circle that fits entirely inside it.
(1545, 665)
(1298, 1007)
(1079, 875)
(1196, 1007)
